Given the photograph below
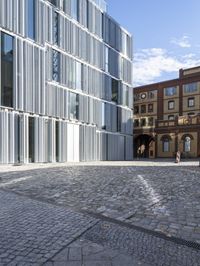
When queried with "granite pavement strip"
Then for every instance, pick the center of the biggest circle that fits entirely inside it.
(34, 229)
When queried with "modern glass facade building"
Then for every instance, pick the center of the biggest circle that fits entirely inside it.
(65, 82)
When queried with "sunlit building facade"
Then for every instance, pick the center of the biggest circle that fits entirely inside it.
(167, 117)
(65, 82)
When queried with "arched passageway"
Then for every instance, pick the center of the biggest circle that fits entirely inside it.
(144, 146)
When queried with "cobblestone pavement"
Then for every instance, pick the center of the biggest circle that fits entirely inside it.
(32, 232)
(36, 223)
(108, 244)
(84, 252)
(161, 198)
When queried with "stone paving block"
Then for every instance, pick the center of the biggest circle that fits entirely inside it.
(118, 192)
(75, 253)
(62, 256)
(165, 198)
(19, 221)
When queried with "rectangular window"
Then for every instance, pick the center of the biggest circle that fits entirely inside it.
(166, 145)
(136, 97)
(114, 90)
(191, 102)
(6, 70)
(150, 108)
(103, 120)
(78, 75)
(75, 9)
(136, 123)
(151, 94)
(191, 114)
(143, 109)
(119, 119)
(170, 91)
(127, 95)
(106, 58)
(55, 28)
(57, 141)
(30, 19)
(171, 105)
(136, 109)
(56, 66)
(31, 129)
(150, 121)
(143, 122)
(74, 106)
(170, 117)
(124, 43)
(191, 87)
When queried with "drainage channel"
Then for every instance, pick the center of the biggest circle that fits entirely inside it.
(176, 240)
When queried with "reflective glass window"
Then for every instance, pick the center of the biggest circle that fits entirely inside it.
(191, 87)
(56, 66)
(74, 106)
(170, 91)
(6, 70)
(30, 19)
(187, 144)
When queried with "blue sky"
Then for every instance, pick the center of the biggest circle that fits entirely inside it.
(166, 35)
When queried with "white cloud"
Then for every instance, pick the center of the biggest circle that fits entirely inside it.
(150, 64)
(183, 42)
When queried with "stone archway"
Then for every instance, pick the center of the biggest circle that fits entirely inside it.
(142, 146)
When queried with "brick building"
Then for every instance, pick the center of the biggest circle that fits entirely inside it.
(167, 117)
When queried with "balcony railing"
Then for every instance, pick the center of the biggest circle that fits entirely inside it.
(179, 121)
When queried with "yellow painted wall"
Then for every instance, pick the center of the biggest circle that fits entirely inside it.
(171, 152)
(176, 106)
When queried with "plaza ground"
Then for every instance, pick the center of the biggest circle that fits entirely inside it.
(108, 213)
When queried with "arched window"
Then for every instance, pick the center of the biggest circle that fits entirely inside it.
(187, 141)
(187, 144)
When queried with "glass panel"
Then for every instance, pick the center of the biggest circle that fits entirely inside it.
(114, 90)
(74, 106)
(170, 91)
(150, 108)
(74, 9)
(136, 123)
(151, 94)
(171, 105)
(190, 102)
(106, 58)
(55, 28)
(143, 122)
(78, 76)
(191, 87)
(6, 70)
(57, 141)
(150, 121)
(143, 109)
(171, 117)
(103, 122)
(30, 19)
(31, 139)
(187, 144)
(124, 43)
(166, 145)
(56, 65)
